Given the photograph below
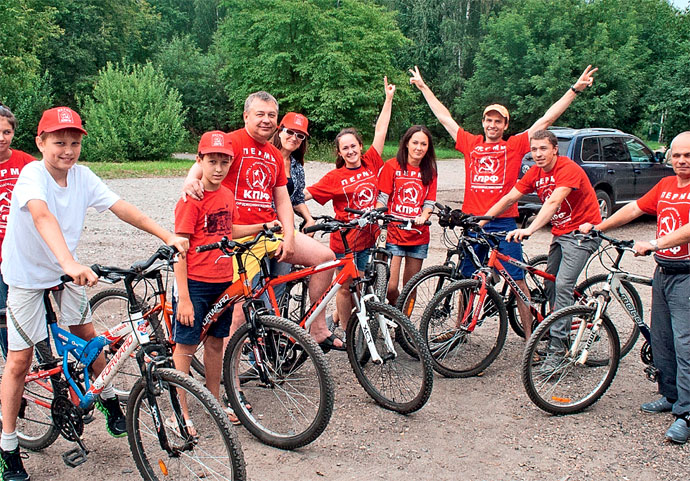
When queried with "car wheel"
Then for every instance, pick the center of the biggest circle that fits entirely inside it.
(605, 204)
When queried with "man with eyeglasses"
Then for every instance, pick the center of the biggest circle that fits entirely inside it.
(257, 178)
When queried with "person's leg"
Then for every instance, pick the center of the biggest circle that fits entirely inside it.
(574, 255)
(677, 294)
(310, 252)
(3, 317)
(213, 364)
(412, 266)
(394, 279)
(12, 387)
(662, 338)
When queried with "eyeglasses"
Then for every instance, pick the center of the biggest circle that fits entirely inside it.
(298, 135)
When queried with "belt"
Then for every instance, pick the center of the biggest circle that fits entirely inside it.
(672, 271)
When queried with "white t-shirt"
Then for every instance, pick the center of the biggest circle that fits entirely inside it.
(27, 261)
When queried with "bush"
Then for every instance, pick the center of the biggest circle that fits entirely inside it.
(132, 115)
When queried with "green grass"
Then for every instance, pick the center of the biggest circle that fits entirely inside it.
(152, 168)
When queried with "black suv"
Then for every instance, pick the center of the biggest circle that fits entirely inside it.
(620, 166)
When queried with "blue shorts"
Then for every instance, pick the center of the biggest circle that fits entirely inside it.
(417, 252)
(361, 259)
(512, 249)
(203, 295)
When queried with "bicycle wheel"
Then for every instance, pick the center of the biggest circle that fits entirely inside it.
(456, 351)
(35, 427)
(294, 404)
(401, 382)
(555, 382)
(627, 330)
(294, 302)
(214, 453)
(417, 294)
(381, 281)
(535, 284)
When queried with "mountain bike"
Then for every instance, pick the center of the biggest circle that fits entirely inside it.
(392, 378)
(59, 390)
(576, 379)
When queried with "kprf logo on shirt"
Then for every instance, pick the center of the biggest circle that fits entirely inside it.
(487, 167)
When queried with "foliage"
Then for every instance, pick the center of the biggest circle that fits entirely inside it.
(195, 75)
(323, 58)
(530, 56)
(23, 86)
(197, 19)
(132, 115)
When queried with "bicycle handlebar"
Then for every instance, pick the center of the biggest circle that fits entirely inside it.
(227, 245)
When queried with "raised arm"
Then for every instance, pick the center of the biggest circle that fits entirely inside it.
(557, 109)
(384, 119)
(439, 110)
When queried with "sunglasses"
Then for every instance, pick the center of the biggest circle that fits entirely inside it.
(299, 135)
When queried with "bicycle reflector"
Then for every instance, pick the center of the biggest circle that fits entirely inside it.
(164, 468)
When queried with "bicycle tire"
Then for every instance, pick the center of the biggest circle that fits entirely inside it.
(406, 381)
(561, 386)
(417, 294)
(627, 330)
(298, 372)
(35, 427)
(381, 274)
(535, 284)
(455, 351)
(216, 443)
(294, 302)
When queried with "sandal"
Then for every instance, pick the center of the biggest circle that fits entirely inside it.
(174, 426)
(329, 343)
(232, 416)
(243, 400)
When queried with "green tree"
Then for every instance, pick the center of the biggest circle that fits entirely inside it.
(534, 49)
(195, 75)
(132, 115)
(23, 85)
(323, 58)
(197, 19)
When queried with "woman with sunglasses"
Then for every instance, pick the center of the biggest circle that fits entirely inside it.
(12, 161)
(291, 139)
(354, 184)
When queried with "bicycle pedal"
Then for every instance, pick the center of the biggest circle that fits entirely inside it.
(74, 457)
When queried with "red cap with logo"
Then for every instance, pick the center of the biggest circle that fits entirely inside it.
(59, 118)
(295, 121)
(215, 142)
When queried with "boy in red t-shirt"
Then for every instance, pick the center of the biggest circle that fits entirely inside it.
(203, 276)
(568, 201)
(12, 161)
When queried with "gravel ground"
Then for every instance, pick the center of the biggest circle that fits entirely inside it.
(479, 428)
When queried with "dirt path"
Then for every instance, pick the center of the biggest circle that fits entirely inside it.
(478, 428)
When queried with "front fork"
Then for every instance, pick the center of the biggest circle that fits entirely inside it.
(384, 326)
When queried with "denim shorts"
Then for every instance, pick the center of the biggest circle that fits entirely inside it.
(203, 295)
(512, 249)
(361, 258)
(417, 252)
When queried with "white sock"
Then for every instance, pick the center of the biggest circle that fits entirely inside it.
(9, 442)
(108, 392)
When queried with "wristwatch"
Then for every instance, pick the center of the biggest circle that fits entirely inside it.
(577, 92)
(655, 244)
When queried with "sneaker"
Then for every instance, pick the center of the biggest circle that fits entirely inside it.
(679, 432)
(115, 420)
(552, 362)
(11, 466)
(661, 405)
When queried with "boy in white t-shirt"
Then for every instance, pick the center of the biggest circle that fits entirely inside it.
(44, 226)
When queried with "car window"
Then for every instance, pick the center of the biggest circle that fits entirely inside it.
(563, 145)
(613, 149)
(638, 151)
(590, 150)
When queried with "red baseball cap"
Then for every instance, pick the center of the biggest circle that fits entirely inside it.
(215, 142)
(59, 118)
(295, 121)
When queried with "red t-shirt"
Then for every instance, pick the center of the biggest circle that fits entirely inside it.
(255, 171)
(491, 170)
(207, 221)
(671, 205)
(407, 195)
(578, 207)
(9, 172)
(353, 188)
